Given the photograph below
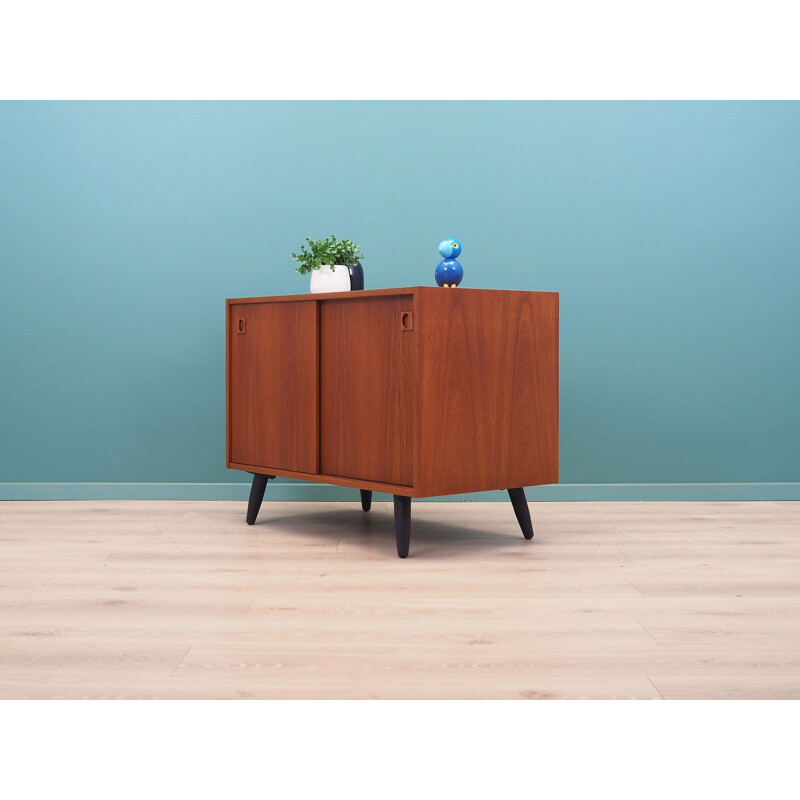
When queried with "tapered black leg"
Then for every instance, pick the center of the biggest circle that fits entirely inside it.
(522, 511)
(402, 524)
(256, 496)
(366, 499)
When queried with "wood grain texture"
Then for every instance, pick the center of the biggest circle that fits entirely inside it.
(181, 599)
(367, 389)
(488, 390)
(273, 386)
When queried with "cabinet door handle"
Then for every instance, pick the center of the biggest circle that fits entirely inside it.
(406, 320)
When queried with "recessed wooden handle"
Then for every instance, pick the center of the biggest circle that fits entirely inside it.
(406, 320)
(241, 325)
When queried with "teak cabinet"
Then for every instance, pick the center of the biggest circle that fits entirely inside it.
(419, 392)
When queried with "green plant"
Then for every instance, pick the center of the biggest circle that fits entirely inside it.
(326, 251)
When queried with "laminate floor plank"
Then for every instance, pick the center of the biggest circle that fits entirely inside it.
(182, 599)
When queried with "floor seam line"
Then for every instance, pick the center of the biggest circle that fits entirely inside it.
(641, 594)
(648, 632)
(181, 661)
(655, 687)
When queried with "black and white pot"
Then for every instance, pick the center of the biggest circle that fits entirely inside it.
(338, 279)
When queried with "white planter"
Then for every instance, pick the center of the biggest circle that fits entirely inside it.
(326, 280)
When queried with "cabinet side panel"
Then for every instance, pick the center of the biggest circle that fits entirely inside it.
(489, 385)
(368, 389)
(274, 385)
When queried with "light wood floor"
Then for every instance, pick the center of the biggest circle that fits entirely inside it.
(610, 600)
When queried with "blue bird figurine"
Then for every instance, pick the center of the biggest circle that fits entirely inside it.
(450, 248)
(449, 273)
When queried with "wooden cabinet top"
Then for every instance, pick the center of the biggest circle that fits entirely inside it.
(403, 290)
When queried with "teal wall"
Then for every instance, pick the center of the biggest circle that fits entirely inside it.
(671, 230)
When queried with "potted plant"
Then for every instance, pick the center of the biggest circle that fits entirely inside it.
(330, 262)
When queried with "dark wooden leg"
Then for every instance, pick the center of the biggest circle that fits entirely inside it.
(256, 496)
(366, 499)
(402, 524)
(522, 511)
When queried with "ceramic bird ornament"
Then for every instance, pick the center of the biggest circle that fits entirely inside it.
(449, 273)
